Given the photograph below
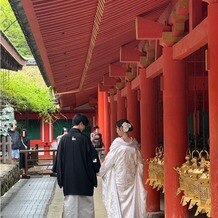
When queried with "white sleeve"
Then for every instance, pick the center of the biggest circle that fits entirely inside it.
(109, 161)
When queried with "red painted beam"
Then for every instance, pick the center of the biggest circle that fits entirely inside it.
(155, 69)
(129, 55)
(109, 81)
(103, 88)
(93, 101)
(124, 92)
(116, 70)
(191, 42)
(34, 25)
(148, 29)
(135, 83)
(195, 13)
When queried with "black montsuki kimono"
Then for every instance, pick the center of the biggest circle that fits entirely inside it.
(77, 164)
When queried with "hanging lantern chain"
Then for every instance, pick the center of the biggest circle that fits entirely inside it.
(195, 103)
(203, 103)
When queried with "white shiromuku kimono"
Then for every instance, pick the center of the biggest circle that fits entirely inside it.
(123, 192)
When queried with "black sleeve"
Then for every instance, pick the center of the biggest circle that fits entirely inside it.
(95, 159)
(59, 163)
(94, 155)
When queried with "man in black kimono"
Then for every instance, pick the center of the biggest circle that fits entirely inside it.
(77, 165)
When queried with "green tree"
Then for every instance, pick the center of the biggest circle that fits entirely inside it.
(26, 91)
(11, 28)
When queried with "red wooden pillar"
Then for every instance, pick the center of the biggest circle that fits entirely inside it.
(121, 108)
(195, 13)
(175, 130)
(213, 102)
(113, 107)
(148, 134)
(107, 138)
(46, 138)
(95, 121)
(133, 111)
(101, 111)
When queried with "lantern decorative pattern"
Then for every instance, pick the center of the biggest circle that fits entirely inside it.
(156, 170)
(194, 181)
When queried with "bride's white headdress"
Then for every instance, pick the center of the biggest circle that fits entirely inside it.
(126, 126)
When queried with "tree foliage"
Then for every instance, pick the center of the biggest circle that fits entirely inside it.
(26, 91)
(11, 28)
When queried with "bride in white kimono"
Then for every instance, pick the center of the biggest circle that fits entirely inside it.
(123, 192)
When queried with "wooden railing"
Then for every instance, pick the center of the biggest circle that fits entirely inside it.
(32, 158)
(5, 149)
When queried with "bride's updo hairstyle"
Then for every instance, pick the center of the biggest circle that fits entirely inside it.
(127, 126)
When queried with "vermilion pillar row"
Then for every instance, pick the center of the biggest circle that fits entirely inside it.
(133, 111)
(107, 138)
(121, 107)
(113, 113)
(175, 130)
(213, 102)
(148, 134)
(101, 111)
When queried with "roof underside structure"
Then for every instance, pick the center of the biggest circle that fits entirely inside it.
(10, 58)
(74, 41)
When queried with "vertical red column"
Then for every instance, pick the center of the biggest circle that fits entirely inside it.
(213, 102)
(107, 138)
(113, 107)
(133, 111)
(121, 108)
(96, 116)
(46, 135)
(175, 130)
(101, 111)
(195, 13)
(148, 134)
(46, 132)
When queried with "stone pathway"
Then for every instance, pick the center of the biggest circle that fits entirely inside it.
(56, 206)
(32, 199)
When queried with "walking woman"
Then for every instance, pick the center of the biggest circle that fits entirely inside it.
(123, 192)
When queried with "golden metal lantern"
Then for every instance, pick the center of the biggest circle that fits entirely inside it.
(156, 169)
(194, 182)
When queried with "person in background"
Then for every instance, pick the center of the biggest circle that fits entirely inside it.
(63, 132)
(96, 138)
(15, 142)
(25, 145)
(122, 186)
(77, 165)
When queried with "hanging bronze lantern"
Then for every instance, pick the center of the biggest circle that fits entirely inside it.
(194, 182)
(204, 205)
(156, 169)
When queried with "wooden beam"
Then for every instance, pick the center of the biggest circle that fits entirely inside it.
(116, 70)
(93, 101)
(124, 92)
(155, 69)
(129, 55)
(135, 83)
(103, 88)
(148, 29)
(34, 26)
(191, 42)
(195, 13)
(109, 81)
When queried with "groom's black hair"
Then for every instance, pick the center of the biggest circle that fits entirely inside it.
(80, 118)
